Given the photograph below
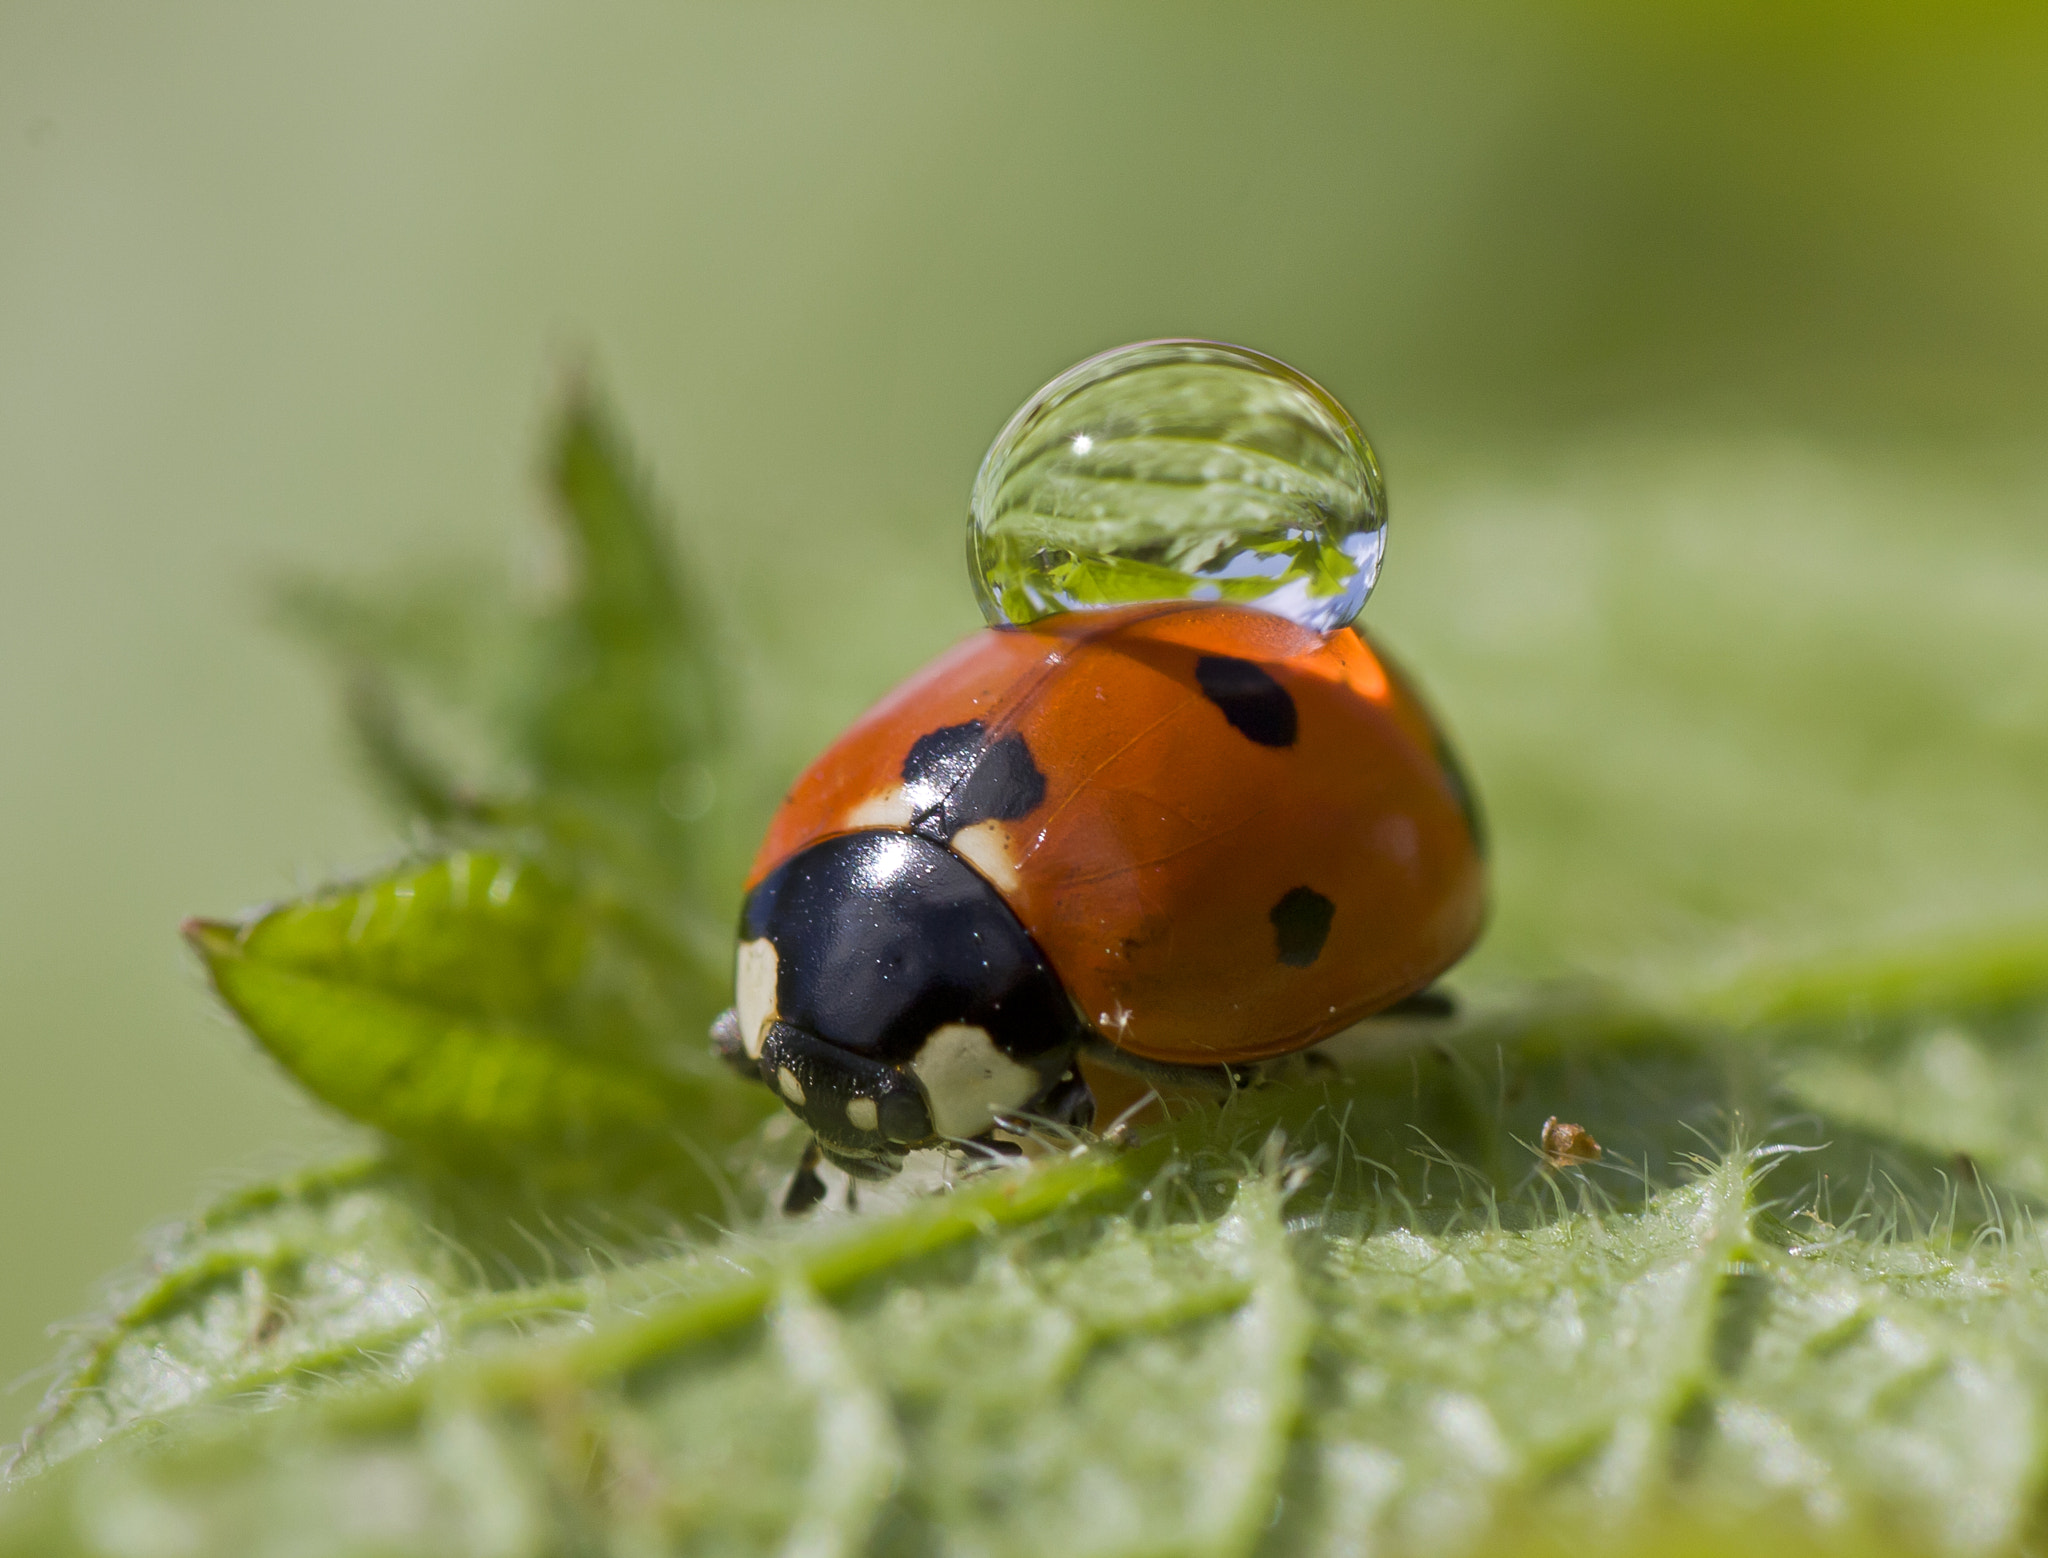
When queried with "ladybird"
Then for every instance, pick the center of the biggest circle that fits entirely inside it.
(1178, 837)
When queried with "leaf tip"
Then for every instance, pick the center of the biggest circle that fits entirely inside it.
(581, 436)
(211, 939)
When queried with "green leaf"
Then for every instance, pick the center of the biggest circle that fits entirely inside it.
(336, 1285)
(437, 669)
(1971, 1089)
(631, 686)
(359, 1269)
(595, 732)
(624, 723)
(1796, 1304)
(1400, 1332)
(479, 1009)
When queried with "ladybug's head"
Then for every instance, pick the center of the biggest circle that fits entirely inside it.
(891, 999)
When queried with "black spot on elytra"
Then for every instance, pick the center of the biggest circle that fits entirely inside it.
(940, 760)
(1250, 699)
(1301, 924)
(956, 777)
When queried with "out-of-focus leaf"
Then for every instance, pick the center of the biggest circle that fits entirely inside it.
(630, 685)
(412, 777)
(598, 725)
(624, 726)
(477, 1008)
(452, 629)
(436, 669)
(1970, 1090)
(1989, 971)
(1942, 1049)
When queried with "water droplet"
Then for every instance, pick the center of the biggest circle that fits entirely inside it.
(1178, 470)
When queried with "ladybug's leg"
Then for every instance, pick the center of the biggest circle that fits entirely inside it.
(1068, 1101)
(1166, 1073)
(806, 1187)
(1422, 1009)
(1066, 1106)
(989, 1145)
(1433, 1002)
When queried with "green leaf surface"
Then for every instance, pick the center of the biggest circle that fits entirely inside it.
(1976, 1092)
(1795, 1305)
(327, 1277)
(1397, 1332)
(474, 1007)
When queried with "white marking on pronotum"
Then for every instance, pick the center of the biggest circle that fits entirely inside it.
(792, 1089)
(863, 1114)
(986, 847)
(969, 1080)
(890, 809)
(754, 992)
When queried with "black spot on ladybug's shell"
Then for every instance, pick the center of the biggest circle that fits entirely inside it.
(1301, 924)
(940, 760)
(1250, 699)
(957, 777)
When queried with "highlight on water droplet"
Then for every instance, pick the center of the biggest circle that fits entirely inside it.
(1178, 470)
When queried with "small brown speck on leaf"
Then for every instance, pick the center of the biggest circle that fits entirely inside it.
(1566, 1145)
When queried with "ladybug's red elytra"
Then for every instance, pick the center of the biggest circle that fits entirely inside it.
(1183, 835)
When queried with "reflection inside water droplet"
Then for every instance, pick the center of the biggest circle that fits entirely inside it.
(1178, 470)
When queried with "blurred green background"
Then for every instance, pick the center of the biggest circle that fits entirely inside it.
(1706, 351)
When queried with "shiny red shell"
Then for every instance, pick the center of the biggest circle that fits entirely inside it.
(1156, 871)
